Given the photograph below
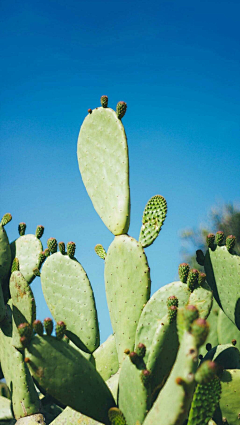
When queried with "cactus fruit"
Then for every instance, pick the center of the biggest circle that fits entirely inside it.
(183, 271)
(22, 229)
(104, 101)
(121, 109)
(230, 242)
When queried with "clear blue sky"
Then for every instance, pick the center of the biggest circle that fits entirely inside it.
(176, 64)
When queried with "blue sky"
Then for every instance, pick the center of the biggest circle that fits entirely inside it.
(176, 64)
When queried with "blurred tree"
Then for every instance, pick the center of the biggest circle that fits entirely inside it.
(225, 218)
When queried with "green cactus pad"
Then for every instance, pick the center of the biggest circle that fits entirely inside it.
(24, 396)
(127, 289)
(153, 218)
(27, 249)
(223, 275)
(205, 401)
(202, 298)
(71, 417)
(102, 141)
(162, 353)
(156, 309)
(227, 331)
(133, 396)
(68, 377)
(230, 399)
(69, 296)
(173, 402)
(5, 257)
(23, 305)
(106, 358)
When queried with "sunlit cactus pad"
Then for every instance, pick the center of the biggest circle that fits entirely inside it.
(103, 162)
(27, 249)
(153, 218)
(69, 296)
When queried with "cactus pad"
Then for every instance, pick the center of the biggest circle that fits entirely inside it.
(106, 358)
(27, 249)
(102, 140)
(153, 218)
(69, 296)
(230, 399)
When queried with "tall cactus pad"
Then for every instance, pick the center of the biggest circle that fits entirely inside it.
(223, 275)
(134, 396)
(27, 249)
(103, 162)
(230, 399)
(106, 358)
(127, 289)
(23, 305)
(173, 402)
(153, 218)
(67, 376)
(69, 296)
(23, 393)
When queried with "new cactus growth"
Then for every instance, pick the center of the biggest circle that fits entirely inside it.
(147, 372)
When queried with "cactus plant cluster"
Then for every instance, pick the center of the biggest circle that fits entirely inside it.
(163, 364)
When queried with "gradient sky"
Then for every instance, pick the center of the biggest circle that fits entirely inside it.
(176, 64)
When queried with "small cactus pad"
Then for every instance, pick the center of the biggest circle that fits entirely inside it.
(133, 395)
(23, 393)
(183, 271)
(116, 416)
(230, 399)
(127, 289)
(69, 296)
(27, 249)
(100, 251)
(102, 140)
(22, 228)
(106, 358)
(121, 109)
(65, 373)
(104, 101)
(153, 218)
(223, 275)
(179, 388)
(6, 219)
(23, 305)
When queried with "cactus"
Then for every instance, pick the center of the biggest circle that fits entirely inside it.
(148, 372)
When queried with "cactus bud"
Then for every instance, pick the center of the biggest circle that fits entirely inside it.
(183, 271)
(60, 330)
(71, 248)
(200, 257)
(172, 313)
(89, 111)
(22, 229)
(15, 265)
(133, 357)
(172, 300)
(39, 231)
(206, 372)
(219, 238)
(52, 245)
(210, 239)
(48, 325)
(190, 313)
(46, 252)
(61, 247)
(192, 280)
(41, 258)
(25, 332)
(230, 242)
(200, 329)
(121, 109)
(201, 278)
(6, 218)
(38, 327)
(100, 251)
(104, 101)
(116, 416)
(141, 350)
(146, 377)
